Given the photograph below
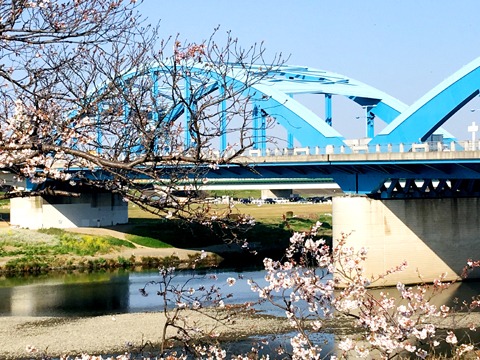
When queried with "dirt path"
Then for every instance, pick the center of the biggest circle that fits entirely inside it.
(119, 232)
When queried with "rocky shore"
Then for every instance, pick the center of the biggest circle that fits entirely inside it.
(108, 335)
(112, 334)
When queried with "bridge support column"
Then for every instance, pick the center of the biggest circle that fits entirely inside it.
(274, 193)
(434, 236)
(88, 210)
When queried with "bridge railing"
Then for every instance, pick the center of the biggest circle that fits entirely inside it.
(360, 148)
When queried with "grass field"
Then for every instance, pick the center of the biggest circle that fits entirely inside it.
(273, 225)
(273, 213)
(270, 236)
(36, 251)
(265, 213)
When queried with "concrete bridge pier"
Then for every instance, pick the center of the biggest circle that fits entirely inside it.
(275, 193)
(434, 236)
(88, 210)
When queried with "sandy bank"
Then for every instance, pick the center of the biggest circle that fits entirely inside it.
(110, 334)
(120, 333)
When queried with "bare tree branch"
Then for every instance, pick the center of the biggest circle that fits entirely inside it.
(87, 88)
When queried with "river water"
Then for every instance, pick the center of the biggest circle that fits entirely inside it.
(73, 295)
(108, 293)
(118, 292)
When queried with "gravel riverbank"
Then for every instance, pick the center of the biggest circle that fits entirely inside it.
(117, 334)
(111, 334)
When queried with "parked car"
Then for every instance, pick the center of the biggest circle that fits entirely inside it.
(269, 201)
(316, 199)
(245, 201)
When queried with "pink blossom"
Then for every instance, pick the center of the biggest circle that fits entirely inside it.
(346, 344)
(451, 338)
(409, 347)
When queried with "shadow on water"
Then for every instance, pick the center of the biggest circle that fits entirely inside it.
(118, 292)
(107, 293)
(274, 346)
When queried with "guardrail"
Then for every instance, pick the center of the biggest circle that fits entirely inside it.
(365, 149)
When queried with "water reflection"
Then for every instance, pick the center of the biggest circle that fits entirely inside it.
(108, 293)
(268, 345)
(114, 293)
(60, 296)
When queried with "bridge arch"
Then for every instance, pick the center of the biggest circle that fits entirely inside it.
(276, 96)
(433, 109)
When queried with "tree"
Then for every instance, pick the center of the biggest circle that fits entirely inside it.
(85, 85)
(317, 285)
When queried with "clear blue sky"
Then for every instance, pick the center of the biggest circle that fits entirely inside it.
(402, 47)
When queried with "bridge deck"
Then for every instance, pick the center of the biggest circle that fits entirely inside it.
(413, 174)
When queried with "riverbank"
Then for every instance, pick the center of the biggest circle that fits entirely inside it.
(148, 242)
(114, 334)
(29, 252)
(107, 335)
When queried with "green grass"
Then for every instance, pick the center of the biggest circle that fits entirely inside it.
(147, 241)
(272, 228)
(50, 242)
(161, 233)
(274, 213)
(37, 264)
(37, 252)
(52, 231)
(305, 224)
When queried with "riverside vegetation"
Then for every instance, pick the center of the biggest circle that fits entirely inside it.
(25, 251)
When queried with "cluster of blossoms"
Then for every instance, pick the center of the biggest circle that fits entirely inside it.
(32, 350)
(32, 137)
(38, 3)
(471, 266)
(316, 284)
(193, 51)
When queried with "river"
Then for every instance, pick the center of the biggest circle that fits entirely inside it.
(110, 293)
(107, 293)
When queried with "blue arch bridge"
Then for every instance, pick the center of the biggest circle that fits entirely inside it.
(410, 191)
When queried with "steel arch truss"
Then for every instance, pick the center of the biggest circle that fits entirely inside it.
(427, 114)
(428, 188)
(274, 96)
